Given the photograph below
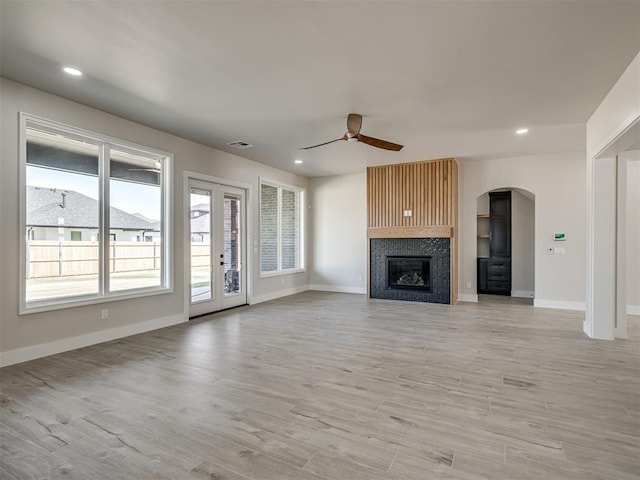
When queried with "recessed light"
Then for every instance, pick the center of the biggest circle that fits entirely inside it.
(297, 161)
(522, 131)
(72, 71)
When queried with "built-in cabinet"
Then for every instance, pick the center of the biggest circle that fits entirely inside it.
(494, 270)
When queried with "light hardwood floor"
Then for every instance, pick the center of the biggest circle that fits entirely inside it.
(333, 386)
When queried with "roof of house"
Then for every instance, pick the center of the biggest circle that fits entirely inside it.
(201, 224)
(52, 207)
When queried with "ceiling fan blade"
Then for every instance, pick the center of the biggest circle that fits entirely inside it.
(376, 142)
(325, 143)
(354, 124)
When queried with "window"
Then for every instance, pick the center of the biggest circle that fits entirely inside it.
(87, 199)
(280, 228)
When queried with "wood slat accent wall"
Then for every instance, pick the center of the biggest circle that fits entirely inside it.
(430, 190)
(425, 188)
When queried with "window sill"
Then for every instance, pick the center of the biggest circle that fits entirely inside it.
(62, 304)
(282, 272)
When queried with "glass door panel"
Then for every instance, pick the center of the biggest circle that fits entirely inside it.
(232, 246)
(200, 207)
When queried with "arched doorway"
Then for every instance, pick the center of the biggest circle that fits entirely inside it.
(505, 247)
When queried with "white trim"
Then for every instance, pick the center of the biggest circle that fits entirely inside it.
(213, 179)
(560, 304)
(277, 294)
(104, 222)
(633, 309)
(467, 297)
(22, 211)
(522, 293)
(616, 134)
(338, 289)
(301, 192)
(277, 273)
(25, 354)
(277, 184)
(81, 301)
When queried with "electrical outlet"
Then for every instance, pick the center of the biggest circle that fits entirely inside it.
(468, 284)
(282, 281)
(104, 314)
(359, 279)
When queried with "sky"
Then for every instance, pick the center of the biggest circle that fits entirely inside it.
(127, 196)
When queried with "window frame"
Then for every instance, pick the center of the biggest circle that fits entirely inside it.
(301, 236)
(27, 120)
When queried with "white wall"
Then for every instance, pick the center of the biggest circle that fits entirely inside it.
(19, 333)
(633, 237)
(339, 233)
(617, 112)
(558, 183)
(522, 245)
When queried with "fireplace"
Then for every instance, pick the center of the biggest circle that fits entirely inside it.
(424, 263)
(409, 272)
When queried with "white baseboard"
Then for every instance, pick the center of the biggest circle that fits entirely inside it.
(560, 304)
(468, 297)
(338, 289)
(633, 309)
(25, 354)
(522, 293)
(277, 294)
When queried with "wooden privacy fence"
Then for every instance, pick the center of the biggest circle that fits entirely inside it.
(200, 254)
(69, 258)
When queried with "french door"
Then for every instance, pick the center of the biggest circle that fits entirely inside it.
(217, 219)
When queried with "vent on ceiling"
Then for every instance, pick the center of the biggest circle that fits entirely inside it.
(239, 144)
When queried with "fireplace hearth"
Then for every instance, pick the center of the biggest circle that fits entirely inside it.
(409, 272)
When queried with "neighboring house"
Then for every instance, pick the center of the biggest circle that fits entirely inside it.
(200, 223)
(66, 215)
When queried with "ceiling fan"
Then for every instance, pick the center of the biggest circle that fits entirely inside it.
(354, 123)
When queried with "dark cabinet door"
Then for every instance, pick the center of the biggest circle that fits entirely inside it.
(499, 276)
(482, 275)
(500, 203)
(500, 224)
(500, 237)
(494, 273)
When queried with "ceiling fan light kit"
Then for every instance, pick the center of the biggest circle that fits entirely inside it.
(354, 124)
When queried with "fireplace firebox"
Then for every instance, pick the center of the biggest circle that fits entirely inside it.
(409, 272)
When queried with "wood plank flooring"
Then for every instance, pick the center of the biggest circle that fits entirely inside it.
(333, 386)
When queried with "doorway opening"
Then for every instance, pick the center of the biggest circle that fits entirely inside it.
(217, 247)
(506, 245)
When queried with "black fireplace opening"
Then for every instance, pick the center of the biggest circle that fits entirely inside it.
(409, 272)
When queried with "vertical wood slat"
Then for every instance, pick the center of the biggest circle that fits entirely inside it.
(432, 205)
(370, 191)
(439, 203)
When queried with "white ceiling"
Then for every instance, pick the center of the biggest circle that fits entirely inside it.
(443, 78)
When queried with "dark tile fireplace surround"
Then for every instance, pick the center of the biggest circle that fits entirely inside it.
(421, 257)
